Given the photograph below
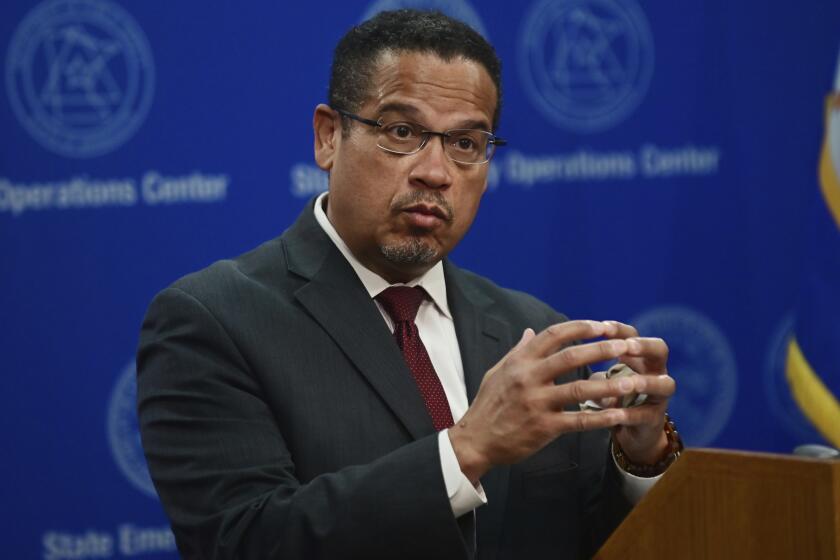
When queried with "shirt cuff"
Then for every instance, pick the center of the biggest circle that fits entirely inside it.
(463, 496)
(634, 487)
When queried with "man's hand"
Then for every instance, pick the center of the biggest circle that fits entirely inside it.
(519, 409)
(641, 435)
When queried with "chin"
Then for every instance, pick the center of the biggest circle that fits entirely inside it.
(412, 251)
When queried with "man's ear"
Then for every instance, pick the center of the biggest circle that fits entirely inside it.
(327, 135)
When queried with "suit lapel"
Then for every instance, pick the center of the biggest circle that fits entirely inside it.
(483, 339)
(337, 300)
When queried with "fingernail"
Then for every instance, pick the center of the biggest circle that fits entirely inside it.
(634, 345)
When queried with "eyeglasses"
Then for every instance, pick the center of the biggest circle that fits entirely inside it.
(461, 145)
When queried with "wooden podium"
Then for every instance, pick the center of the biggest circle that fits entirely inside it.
(727, 504)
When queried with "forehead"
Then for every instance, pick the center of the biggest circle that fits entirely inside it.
(437, 89)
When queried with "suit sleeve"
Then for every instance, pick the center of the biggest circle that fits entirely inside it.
(225, 475)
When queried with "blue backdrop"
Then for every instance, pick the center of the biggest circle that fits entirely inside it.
(661, 163)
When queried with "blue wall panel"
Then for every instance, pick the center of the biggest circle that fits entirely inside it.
(660, 169)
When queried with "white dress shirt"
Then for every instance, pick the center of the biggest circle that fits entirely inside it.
(437, 331)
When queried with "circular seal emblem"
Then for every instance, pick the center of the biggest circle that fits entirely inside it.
(586, 64)
(702, 363)
(124, 432)
(457, 9)
(776, 388)
(79, 76)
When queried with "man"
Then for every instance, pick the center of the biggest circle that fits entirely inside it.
(281, 420)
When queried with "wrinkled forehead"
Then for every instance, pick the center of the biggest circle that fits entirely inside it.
(432, 86)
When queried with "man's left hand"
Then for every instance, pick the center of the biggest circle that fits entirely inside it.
(642, 435)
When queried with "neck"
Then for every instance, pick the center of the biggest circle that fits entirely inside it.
(397, 273)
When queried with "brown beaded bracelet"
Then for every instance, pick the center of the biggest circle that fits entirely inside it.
(675, 447)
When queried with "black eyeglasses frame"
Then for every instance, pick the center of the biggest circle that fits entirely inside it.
(492, 138)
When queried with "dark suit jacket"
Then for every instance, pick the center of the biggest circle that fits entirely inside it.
(279, 420)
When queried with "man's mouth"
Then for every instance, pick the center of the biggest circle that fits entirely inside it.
(425, 215)
(428, 210)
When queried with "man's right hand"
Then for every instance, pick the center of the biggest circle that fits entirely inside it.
(519, 409)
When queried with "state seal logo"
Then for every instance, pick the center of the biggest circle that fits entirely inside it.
(776, 388)
(457, 9)
(79, 76)
(703, 364)
(586, 64)
(124, 432)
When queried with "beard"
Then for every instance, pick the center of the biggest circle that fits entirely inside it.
(411, 251)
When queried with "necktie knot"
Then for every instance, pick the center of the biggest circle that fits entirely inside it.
(402, 302)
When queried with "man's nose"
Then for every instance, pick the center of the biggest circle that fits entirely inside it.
(433, 168)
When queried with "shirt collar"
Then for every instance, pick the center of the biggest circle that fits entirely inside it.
(433, 280)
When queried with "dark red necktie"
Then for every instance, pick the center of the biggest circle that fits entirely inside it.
(402, 303)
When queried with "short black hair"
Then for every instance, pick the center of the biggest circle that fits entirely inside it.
(400, 31)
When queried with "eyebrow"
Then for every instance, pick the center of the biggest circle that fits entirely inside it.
(414, 113)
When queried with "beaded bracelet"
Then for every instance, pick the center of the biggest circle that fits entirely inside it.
(675, 447)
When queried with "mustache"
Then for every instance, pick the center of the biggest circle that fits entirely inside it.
(414, 197)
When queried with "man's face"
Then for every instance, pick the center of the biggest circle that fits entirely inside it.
(400, 214)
